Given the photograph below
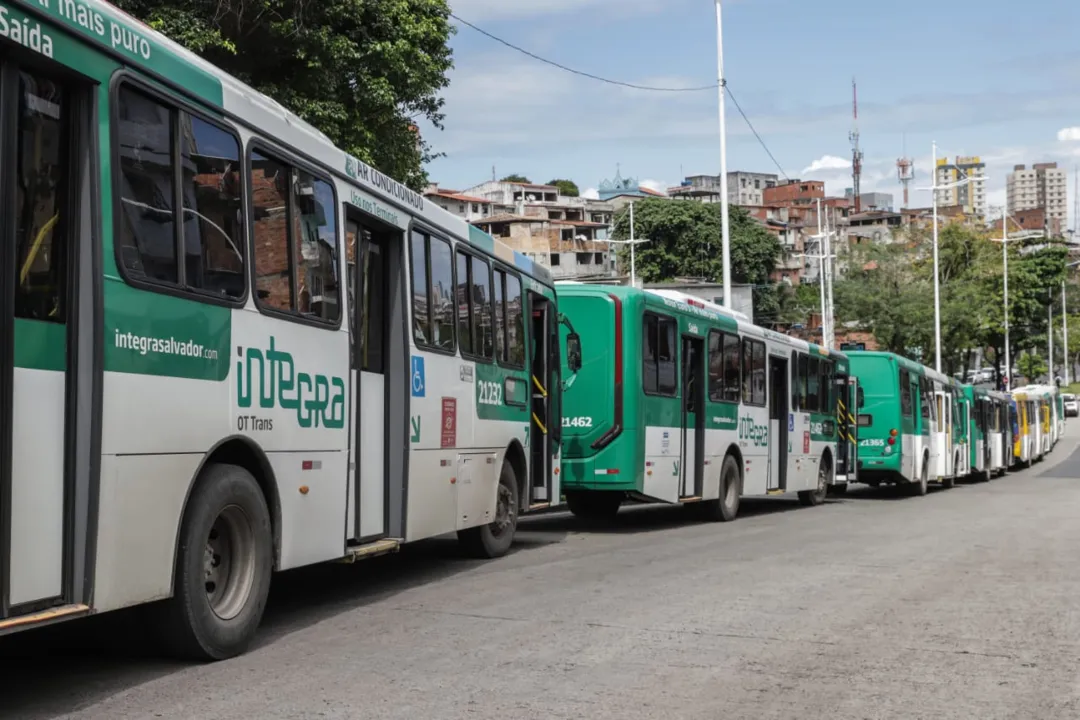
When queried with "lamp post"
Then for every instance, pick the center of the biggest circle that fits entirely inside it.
(1065, 327)
(725, 223)
(822, 257)
(934, 187)
(1005, 240)
(631, 242)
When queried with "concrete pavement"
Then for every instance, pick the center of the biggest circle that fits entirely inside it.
(961, 604)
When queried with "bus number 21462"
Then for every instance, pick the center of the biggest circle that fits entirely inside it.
(578, 422)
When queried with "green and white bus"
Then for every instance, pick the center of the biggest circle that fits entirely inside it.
(229, 348)
(988, 429)
(908, 428)
(678, 400)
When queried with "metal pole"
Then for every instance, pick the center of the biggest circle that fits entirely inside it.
(821, 270)
(1065, 334)
(725, 226)
(1005, 265)
(1050, 336)
(633, 267)
(937, 283)
(828, 284)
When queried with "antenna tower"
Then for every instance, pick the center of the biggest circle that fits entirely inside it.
(905, 172)
(856, 153)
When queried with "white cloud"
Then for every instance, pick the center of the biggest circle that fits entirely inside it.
(591, 193)
(1069, 134)
(827, 162)
(654, 185)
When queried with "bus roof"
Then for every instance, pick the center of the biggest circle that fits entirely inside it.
(687, 304)
(907, 364)
(173, 65)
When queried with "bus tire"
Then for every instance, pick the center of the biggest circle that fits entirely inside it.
(223, 567)
(494, 539)
(596, 506)
(726, 507)
(809, 498)
(838, 489)
(921, 487)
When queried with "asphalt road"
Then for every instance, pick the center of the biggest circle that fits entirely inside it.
(961, 604)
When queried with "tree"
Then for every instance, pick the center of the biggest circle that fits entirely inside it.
(516, 179)
(362, 71)
(566, 187)
(684, 241)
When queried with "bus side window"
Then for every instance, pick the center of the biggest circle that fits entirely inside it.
(905, 394)
(803, 363)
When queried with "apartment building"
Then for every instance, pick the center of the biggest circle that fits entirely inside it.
(744, 188)
(971, 196)
(1045, 186)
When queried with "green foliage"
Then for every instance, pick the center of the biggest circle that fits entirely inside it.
(894, 296)
(566, 187)
(684, 241)
(362, 71)
(515, 178)
(1031, 366)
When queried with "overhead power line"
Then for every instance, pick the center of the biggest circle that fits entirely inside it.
(620, 83)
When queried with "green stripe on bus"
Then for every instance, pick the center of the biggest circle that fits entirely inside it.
(40, 345)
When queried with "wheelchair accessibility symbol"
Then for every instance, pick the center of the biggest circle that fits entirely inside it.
(417, 374)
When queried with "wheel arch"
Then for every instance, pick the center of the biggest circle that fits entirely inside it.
(243, 452)
(515, 455)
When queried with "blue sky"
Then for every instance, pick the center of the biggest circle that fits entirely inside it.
(994, 78)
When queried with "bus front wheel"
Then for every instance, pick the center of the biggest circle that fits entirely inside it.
(223, 567)
(494, 539)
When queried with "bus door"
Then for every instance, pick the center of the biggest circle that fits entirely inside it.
(692, 461)
(369, 245)
(847, 429)
(778, 423)
(544, 368)
(49, 375)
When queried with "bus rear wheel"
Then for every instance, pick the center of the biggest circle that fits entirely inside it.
(921, 487)
(594, 505)
(223, 567)
(726, 507)
(494, 539)
(817, 496)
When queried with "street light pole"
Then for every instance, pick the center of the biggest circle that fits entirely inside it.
(725, 224)
(1065, 334)
(937, 281)
(1005, 265)
(821, 270)
(1050, 336)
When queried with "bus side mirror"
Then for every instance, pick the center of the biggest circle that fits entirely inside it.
(573, 352)
(859, 399)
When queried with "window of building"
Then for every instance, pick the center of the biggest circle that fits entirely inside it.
(169, 159)
(433, 292)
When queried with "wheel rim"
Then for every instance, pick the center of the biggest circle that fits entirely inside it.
(505, 512)
(229, 562)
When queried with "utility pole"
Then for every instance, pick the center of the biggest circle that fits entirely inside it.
(725, 223)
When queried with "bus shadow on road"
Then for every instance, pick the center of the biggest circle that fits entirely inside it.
(637, 518)
(888, 492)
(59, 670)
